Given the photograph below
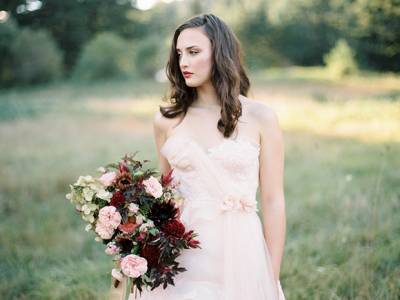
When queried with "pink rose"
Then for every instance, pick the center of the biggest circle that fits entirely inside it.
(239, 203)
(248, 205)
(107, 178)
(133, 265)
(112, 249)
(104, 231)
(109, 216)
(230, 203)
(153, 187)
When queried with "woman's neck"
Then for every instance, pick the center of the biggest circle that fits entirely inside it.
(206, 97)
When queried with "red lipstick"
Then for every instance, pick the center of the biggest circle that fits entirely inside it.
(187, 74)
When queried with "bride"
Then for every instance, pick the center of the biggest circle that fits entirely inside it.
(222, 147)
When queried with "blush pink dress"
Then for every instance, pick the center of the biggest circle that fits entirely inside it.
(219, 185)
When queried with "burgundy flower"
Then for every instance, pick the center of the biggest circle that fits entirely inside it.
(174, 228)
(117, 199)
(152, 254)
(125, 243)
(123, 180)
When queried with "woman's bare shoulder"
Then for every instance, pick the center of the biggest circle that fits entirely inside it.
(258, 109)
(163, 125)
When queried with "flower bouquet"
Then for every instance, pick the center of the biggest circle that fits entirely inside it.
(136, 216)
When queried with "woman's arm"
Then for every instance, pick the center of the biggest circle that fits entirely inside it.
(160, 127)
(271, 185)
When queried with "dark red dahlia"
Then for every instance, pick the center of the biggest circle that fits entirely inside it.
(125, 243)
(161, 212)
(174, 228)
(117, 199)
(152, 254)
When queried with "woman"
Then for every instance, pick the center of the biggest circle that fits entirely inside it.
(222, 146)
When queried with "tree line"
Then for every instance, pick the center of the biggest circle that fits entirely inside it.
(70, 34)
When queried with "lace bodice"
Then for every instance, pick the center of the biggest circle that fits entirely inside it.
(235, 161)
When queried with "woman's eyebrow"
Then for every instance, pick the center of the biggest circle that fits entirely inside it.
(190, 47)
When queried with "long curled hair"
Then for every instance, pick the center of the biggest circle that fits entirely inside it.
(228, 76)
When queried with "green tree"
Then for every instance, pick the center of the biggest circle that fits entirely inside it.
(36, 57)
(340, 61)
(8, 32)
(107, 55)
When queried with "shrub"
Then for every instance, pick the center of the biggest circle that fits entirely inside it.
(107, 55)
(36, 57)
(151, 54)
(340, 61)
(8, 31)
(27, 56)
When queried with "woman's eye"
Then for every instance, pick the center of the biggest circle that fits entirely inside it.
(193, 52)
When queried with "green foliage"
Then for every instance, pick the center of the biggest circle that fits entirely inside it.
(151, 55)
(273, 32)
(107, 55)
(8, 30)
(257, 39)
(36, 57)
(28, 56)
(340, 61)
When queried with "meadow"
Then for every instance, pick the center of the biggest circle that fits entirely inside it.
(342, 180)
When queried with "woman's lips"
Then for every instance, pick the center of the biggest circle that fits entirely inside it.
(187, 74)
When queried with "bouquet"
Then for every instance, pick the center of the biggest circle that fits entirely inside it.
(136, 216)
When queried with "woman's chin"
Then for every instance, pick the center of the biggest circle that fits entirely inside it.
(190, 83)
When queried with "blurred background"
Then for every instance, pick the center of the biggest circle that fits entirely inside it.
(81, 79)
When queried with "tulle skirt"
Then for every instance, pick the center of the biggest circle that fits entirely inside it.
(233, 264)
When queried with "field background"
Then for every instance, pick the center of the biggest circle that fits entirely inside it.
(342, 145)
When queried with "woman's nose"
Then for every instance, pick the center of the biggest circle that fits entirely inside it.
(182, 61)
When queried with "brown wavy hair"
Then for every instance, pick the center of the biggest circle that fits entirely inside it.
(227, 75)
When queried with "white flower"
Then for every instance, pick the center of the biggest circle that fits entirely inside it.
(139, 219)
(88, 218)
(105, 195)
(101, 169)
(88, 208)
(88, 227)
(88, 194)
(148, 224)
(133, 208)
(84, 180)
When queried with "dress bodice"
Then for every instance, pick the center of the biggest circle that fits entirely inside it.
(232, 165)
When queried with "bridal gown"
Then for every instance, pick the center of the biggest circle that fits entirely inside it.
(219, 185)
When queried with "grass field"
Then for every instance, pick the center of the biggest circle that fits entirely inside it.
(342, 181)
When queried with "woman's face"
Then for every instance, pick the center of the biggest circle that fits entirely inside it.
(194, 51)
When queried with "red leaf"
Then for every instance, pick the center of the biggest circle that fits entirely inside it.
(166, 180)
